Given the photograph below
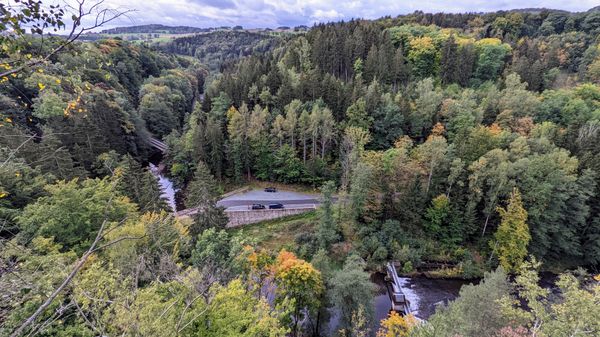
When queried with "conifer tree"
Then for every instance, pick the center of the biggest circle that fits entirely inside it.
(449, 62)
(203, 193)
(140, 186)
(203, 189)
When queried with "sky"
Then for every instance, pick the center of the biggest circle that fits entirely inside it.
(275, 13)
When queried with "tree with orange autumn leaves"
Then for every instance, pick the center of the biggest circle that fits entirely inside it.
(299, 285)
(257, 265)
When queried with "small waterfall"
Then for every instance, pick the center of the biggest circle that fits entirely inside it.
(166, 185)
(411, 295)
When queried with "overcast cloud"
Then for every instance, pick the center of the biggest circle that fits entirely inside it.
(274, 13)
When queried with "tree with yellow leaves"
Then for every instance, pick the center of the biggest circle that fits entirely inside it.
(299, 281)
(424, 56)
(513, 235)
(396, 326)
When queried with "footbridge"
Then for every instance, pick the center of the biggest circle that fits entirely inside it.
(158, 144)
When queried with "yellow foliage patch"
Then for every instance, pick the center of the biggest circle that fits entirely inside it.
(396, 325)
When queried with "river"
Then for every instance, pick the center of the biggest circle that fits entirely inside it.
(423, 293)
(166, 185)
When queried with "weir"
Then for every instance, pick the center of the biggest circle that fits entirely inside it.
(400, 303)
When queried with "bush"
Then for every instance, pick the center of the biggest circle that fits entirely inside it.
(307, 245)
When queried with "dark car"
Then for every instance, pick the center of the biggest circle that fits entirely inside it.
(271, 189)
(275, 206)
(258, 206)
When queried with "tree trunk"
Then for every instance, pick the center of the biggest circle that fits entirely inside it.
(304, 149)
(429, 179)
(487, 219)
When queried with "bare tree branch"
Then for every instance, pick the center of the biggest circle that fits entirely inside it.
(102, 17)
(12, 153)
(19, 331)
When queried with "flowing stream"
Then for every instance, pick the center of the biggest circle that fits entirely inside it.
(166, 185)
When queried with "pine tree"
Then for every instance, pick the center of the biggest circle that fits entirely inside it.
(203, 193)
(214, 142)
(400, 69)
(512, 236)
(203, 189)
(467, 56)
(371, 64)
(140, 185)
(449, 62)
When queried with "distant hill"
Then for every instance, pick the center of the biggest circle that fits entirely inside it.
(537, 10)
(212, 49)
(155, 28)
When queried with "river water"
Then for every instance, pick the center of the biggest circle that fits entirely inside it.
(424, 294)
(166, 185)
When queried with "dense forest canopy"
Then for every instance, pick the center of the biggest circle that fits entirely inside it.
(468, 106)
(215, 48)
(470, 141)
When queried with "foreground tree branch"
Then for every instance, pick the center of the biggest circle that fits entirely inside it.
(78, 265)
(81, 12)
(94, 247)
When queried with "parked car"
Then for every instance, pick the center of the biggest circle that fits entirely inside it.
(271, 189)
(275, 206)
(258, 206)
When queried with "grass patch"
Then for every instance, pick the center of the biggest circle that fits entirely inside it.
(278, 233)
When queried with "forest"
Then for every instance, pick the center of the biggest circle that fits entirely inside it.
(469, 142)
(218, 47)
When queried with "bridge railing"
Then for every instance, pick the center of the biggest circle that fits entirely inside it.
(157, 144)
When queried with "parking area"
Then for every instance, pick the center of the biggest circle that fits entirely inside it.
(289, 199)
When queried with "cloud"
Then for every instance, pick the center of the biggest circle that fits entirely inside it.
(222, 4)
(274, 13)
(320, 15)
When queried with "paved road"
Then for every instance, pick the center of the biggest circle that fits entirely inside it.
(288, 199)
